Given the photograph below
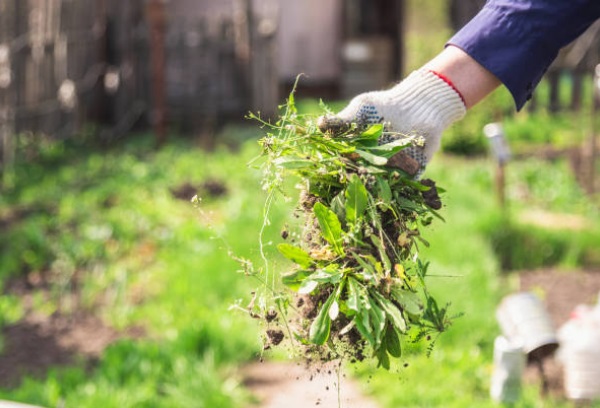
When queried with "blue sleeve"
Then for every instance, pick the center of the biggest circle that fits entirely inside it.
(517, 40)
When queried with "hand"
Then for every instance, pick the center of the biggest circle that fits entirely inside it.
(421, 107)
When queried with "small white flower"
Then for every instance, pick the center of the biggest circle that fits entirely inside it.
(196, 200)
(420, 141)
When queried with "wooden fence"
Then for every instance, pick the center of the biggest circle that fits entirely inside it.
(575, 64)
(68, 63)
(120, 64)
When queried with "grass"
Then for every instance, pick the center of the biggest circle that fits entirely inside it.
(107, 222)
(144, 258)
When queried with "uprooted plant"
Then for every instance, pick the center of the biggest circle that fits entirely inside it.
(357, 287)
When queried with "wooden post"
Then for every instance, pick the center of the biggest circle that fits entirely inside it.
(593, 145)
(400, 38)
(7, 123)
(501, 151)
(576, 90)
(7, 136)
(8, 17)
(554, 83)
(501, 184)
(157, 20)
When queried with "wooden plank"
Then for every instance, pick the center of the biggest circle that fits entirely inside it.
(7, 96)
(264, 24)
(553, 78)
(156, 17)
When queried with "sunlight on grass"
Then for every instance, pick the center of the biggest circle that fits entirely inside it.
(155, 261)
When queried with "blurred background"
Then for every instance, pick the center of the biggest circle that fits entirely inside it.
(114, 114)
(195, 65)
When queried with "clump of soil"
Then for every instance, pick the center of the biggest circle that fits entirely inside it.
(275, 336)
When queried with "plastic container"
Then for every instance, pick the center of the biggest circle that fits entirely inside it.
(525, 322)
(580, 353)
(509, 362)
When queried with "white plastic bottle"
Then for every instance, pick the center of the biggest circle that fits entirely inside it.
(509, 362)
(580, 354)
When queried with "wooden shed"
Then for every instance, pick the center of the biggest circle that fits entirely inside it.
(343, 47)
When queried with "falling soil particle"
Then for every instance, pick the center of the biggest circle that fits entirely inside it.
(275, 336)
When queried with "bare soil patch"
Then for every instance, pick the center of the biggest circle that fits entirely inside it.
(39, 342)
(562, 290)
(210, 188)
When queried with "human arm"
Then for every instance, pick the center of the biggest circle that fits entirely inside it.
(510, 42)
(517, 40)
(473, 81)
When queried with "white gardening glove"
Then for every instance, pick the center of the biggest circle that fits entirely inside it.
(422, 105)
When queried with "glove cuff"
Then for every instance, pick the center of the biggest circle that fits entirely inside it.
(430, 97)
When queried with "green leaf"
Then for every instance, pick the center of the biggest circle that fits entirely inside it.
(384, 192)
(338, 205)
(417, 185)
(373, 132)
(358, 301)
(288, 162)
(384, 258)
(389, 149)
(383, 360)
(307, 286)
(331, 228)
(295, 279)
(371, 158)
(392, 342)
(368, 269)
(326, 276)
(363, 325)
(377, 316)
(321, 326)
(437, 316)
(356, 199)
(295, 254)
(407, 204)
(353, 301)
(392, 312)
(409, 301)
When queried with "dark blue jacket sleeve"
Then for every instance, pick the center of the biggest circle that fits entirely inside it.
(517, 40)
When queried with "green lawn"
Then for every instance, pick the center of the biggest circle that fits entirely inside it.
(108, 220)
(103, 223)
(142, 258)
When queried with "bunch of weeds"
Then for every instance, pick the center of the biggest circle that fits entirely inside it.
(357, 287)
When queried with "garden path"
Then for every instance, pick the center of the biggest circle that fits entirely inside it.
(292, 385)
